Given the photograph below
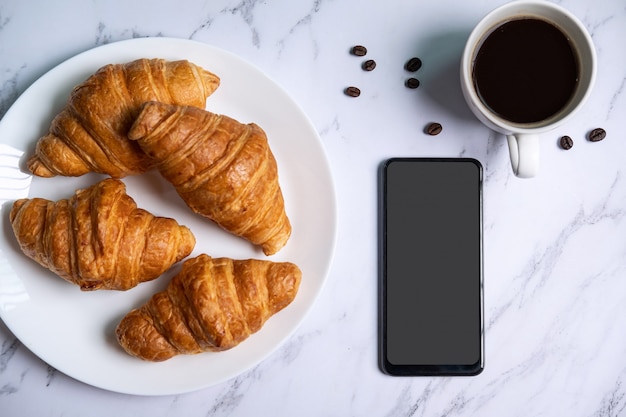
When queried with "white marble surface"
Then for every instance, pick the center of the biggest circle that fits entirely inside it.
(555, 245)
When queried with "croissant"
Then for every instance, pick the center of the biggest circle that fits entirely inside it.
(89, 134)
(222, 169)
(99, 239)
(211, 305)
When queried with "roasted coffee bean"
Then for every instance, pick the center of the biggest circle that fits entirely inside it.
(412, 83)
(369, 65)
(358, 50)
(596, 135)
(566, 142)
(352, 91)
(434, 129)
(413, 64)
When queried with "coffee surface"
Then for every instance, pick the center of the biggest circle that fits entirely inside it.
(526, 70)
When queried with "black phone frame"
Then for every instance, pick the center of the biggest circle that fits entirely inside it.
(422, 369)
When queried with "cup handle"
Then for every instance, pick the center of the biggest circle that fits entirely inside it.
(524, 152)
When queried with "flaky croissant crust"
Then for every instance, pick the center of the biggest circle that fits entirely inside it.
(211, 305)
(99, 239)
(89, 134)
(223, 169)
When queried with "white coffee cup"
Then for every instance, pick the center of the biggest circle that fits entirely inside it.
(523, 138)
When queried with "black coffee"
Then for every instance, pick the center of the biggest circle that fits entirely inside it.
(526, 70)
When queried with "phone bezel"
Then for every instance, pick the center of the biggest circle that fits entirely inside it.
(421, 369)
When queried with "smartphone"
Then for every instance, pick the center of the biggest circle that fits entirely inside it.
(431, 318)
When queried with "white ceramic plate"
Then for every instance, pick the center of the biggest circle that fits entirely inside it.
(73, 331)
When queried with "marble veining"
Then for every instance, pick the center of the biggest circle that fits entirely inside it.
(9, 346)
(555, 246)
(9, 92)
(51, 374)
(618, 95)
(228, 401)
(246, 10)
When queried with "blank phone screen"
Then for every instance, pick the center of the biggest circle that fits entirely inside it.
(432, 267)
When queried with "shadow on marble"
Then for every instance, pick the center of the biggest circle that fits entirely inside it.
(440, 75)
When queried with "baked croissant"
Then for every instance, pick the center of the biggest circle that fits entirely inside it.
(89, 134)
(99, 239)
(211, 305)
(223, 169)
